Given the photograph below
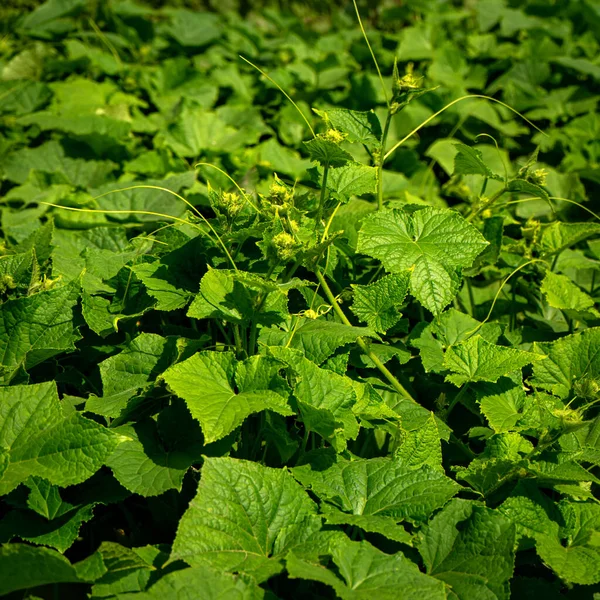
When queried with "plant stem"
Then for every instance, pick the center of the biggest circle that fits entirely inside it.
(322, 198)
(486, 204)
(362, 344)
(456, 399)
(386, 129)
(239, 347)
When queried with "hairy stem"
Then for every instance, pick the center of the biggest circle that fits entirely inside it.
(486, 204)
(322, 198)
(384, 136)
(362, 344)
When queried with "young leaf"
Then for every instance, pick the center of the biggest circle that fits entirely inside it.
(562, 293)
(206, 382)
(377, 304)
(469, 161)
(244, 518)
(557, 236)
(327, 153)
(361, 127)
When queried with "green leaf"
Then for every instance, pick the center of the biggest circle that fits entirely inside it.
(325, 399)
(35, 328)
(206, 382)
(327, 153)
(470, 548)
(193, 29)
(143, 465)
(318, 339)
(478, 360)
(377, 304)
(199, 582)
(127, 373)
(361, 127)
(434, 243)
(571, 360)
(43, 440)
(352, 179)
(557, 236)
(51, 158)
(522, 186)
(469, 161)
(562, 293)
(502, 403)
(377, 486)
(422, 446)
(244, 518)
(386, 526)
(23, 566)
(448, 329)
(365, 573)
(235, 297)
(577, 558)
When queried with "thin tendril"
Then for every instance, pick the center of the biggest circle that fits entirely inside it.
(385, 94)
(470, 333)
(282, 91)
(439, 112)
(148, 212)
(244, 195)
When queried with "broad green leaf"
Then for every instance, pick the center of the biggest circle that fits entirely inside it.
(193, 29)
(35, 328)
(533, 513)
(160, 284)
(365, 573)
(244, 518)
(502, 403)
(433, 243)
(448, 329)
(144, 466)
(127, 373)
(421, 446)
(59, 533)
(562, 293)
(126, 196)
(352, 179)
(206, 382)
(571, 360)
(51, 158)
(318, 339)
(43, 440)
(377, 486)
(362, 127)
(199, 582)
(470, 548)
(478, 360)
(23, 566)
(469, 161)
(327, 153)
(236, 297)
(377, 304)
(325, 399)
(574, 555)
(389, 527)
(557, 236)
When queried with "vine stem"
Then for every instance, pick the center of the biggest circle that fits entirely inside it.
(486, 204)
(362, 344)
(322, 198)
(381, 160)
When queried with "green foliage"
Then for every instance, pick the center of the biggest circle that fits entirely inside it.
(313, 329)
